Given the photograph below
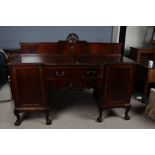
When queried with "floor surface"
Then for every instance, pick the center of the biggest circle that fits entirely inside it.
(75, 110)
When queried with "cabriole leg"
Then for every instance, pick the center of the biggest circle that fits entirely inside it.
(18, 121)
(99, 119)
(48, 121)
(127, 109)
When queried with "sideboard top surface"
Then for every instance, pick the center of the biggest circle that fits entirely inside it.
(62, 59)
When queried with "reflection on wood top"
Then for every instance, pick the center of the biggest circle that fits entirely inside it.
(63, 59)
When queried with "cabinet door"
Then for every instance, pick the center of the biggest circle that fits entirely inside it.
(28, 87)
(118, 85)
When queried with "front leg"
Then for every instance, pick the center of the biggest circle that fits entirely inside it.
(128, 108)
(99, 104)
(99, 119)
(48, 121)
(18, 121)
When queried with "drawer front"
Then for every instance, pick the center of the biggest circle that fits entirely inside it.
(77, 76)
(60, 72)
(76, 72)
(152, 75)
(88, 72)
(60, 83)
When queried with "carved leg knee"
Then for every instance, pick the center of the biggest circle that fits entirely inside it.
(18, 121)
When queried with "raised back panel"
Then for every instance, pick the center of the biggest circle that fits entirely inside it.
(105, 48)
(65, 47)
(47, 48)
(26, 48)
(80, 47)
(40, 48)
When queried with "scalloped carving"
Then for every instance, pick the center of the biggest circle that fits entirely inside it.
(72, 38)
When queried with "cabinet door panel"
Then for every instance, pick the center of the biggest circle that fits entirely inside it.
(28, 86)
(118, 84)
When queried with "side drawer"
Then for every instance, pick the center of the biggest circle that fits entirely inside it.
(88, 72)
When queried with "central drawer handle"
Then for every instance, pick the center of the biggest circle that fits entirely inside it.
(60, 73)
(91, 72)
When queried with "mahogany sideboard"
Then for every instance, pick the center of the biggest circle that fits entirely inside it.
(41, 67)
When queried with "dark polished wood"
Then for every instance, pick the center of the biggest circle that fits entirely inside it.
(28, 89)
(76, 65)
(117, 88)
(33, 75)
(40, 48)
(65, 47)
(142, 54)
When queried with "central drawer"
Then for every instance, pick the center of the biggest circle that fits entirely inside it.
(72, 76)
(60, 72)
(88, 72)
(73, 72)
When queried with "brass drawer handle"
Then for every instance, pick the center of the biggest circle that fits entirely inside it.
(91, 72)
(60, 74)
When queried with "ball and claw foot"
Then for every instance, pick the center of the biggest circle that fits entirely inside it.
(17, 123)
(48, 122)
(127, 117)
(99, 119)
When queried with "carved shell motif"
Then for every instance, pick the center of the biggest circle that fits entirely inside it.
(72, 38)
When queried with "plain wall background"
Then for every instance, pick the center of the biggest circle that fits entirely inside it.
(135, 36)
(11, 36)
(138, 36)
